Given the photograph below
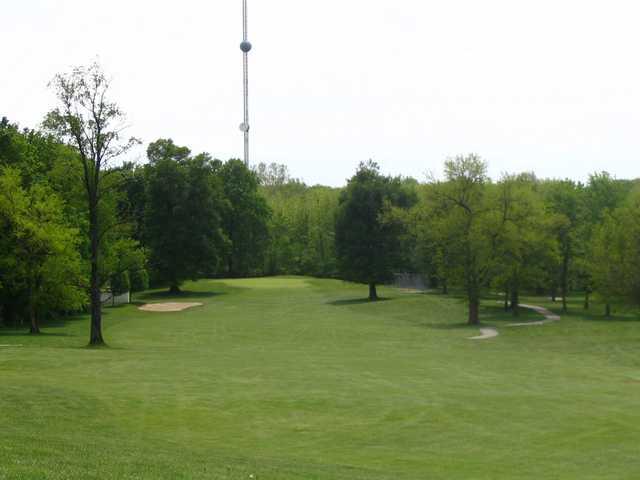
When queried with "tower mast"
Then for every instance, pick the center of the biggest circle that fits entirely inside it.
(245, 46)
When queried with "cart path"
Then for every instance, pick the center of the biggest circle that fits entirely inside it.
(548, 315)
(486, 332)
(492, 332)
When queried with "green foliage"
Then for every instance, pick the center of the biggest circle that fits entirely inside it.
(368, 247)
(119, 283)
(139, 280)
(183, 215)
(523, 241)
(245, 220)
(614, 255)
(463, 226)
(93, 124)
(564, 207)
(301, 228)
(39, 259)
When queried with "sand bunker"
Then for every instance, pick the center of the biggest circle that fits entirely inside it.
(168, 307)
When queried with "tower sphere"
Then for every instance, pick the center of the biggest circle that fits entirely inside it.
(245, 46)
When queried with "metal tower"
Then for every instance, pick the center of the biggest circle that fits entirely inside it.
(245, 46)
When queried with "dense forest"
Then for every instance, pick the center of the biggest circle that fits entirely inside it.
(73, 225)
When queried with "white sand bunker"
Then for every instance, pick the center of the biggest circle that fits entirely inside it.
(168, 307)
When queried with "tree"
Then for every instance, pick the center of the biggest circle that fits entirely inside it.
(607, 266)
(523, 243)
(367, 246)
(246, 219)
(93, 124)
(273, 175)
(183, 215)
(434, 251)
(301, 229)
(43, 261)
(614, 254)
(462, 221)
(564, 210)
(601, 197)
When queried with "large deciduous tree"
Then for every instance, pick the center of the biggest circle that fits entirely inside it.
(522, 240)
(564, 210)
(462, 221)
(93, 124)
(245, 219)
(367, 244)
(42, 261)
(183, 214)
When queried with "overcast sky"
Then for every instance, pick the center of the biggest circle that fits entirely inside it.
(548, 86)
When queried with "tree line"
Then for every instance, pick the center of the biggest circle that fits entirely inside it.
(77, 220)
(518, 234)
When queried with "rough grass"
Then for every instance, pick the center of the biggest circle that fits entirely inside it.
(294, 378)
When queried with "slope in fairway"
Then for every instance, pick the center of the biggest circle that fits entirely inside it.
(296, 378)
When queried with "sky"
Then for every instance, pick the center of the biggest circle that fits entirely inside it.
(546, 86)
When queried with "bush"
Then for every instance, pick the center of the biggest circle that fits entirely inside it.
(139, 280)
(120, 283)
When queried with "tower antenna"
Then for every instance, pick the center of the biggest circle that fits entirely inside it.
(245, 46)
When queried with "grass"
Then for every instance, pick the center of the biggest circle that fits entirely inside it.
(294, 378)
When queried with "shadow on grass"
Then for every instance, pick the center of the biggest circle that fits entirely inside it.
(53, 323)
(165, 294)
(24, 332)
(356, 301)
(497, 314)
(450, 326)
(599, 316)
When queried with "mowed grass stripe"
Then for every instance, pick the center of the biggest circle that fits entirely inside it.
(298, 378)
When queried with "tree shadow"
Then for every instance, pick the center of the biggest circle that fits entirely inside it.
(450, 326)
(597, 316)
(165, 294)
(14, 332)
(46, 324)
(357, 301)
(497, 314)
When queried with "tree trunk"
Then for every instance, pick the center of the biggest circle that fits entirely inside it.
(96, 303)
(506, 299)
(515, 302)
(607, 310)
(587, 296)
(564, 287)
(445, 287)
(174, 289)
(474, 310)
(554, 293)
(9, 315)
(373, 293)
(33, 318)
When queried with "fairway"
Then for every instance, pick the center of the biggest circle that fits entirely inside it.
(300, 378)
